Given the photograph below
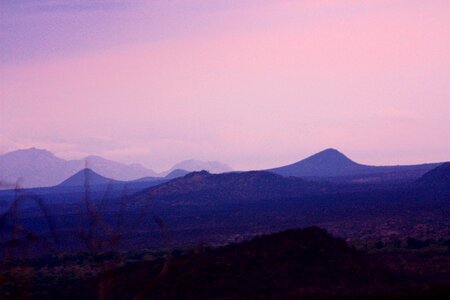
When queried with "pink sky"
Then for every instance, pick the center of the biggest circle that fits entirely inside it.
(254, 84)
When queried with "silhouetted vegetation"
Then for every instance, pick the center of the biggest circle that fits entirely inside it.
(300, 263)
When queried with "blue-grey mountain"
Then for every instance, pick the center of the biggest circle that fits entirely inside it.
(87, 177)
(39, 168)
(332, 164)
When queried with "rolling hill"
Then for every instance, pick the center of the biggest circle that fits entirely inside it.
(437, 176)
(204, 187)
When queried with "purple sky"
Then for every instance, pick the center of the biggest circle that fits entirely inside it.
(254, 84)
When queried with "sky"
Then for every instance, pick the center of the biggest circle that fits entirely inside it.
(254, 84)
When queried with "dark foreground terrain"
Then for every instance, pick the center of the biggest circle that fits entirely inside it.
(294, 264)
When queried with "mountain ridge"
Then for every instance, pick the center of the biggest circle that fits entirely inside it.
(204, 187)
(41, 168)
(195, 165)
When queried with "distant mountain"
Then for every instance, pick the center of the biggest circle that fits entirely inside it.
(40, 168)
(203, 187)
(176, 173)
(35, 167)
(193, 165)
(147, 179)
(89, 177)
(172, 175)
(331, 163)
(117, 170)
(437, 176)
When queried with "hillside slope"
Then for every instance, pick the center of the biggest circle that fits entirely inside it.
(437, 176)
(234, 187)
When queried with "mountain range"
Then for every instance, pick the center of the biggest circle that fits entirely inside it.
(89, 177)
(237, 186)
(40, 168)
